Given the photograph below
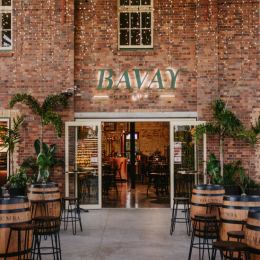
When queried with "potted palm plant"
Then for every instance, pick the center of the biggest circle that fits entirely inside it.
(47, 116)
(231, 170)
(225, 126)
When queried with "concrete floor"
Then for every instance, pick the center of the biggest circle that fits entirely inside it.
(127, 234)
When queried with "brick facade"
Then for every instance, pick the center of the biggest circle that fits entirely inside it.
(215, 44)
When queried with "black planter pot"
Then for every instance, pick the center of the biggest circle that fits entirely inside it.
(253, 192)
(14, 191)
(232, 189)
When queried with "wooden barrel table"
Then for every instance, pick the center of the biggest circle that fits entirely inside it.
(13, 211)
(252, 234)
(235, 208)
(203, 194)
(48, 192)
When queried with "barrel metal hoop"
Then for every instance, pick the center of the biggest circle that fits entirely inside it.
(239, 207)
(43, 192)
(209, 195)
(47, 201)
(10, 224)
(231, 221)
(254, 214)
(197, 204)
(239, 198)
(14, 200)
(208, 187)
(14, 210)
(48, 185)
(251, 227)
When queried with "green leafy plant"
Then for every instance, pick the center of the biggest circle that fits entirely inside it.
(46, 160)
(18, 179)
(252, 136)
(230, 171)
(46, 114)
(244, 182)
(213, 169)
(11, 137)
(226, 125)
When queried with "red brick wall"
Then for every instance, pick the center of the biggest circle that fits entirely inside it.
(41, 63)
(216, 45)
(96, 48)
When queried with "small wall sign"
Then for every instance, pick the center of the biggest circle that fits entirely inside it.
(177, 152)
(94, 158)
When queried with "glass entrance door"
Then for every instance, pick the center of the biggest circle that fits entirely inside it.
(83, 163)
(188, 159)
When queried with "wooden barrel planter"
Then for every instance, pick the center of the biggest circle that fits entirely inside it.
(13, 211)
(49, 192)
(252, 234)
(235, 208)
(203, 194)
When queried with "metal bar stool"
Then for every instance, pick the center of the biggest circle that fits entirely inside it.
(70, 209)
(27, 244)
(42, 204)
(206, 228)
(230, 247)
(175, 209)
(211, 205)
(239, 235)
(47, 226)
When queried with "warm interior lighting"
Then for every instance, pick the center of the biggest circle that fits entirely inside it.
(166, 96)
(100, 96)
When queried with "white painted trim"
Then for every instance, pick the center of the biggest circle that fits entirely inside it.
(133, 115)
(86, 123)
(182, 123)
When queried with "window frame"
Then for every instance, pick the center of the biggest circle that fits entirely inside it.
(135, 8)
(6, 9)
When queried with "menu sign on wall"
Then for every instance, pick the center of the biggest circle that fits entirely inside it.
(177, 152)
(94, 158)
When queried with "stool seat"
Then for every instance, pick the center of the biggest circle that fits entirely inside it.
(181, 198)
(205, 216)
(214, 204)
(38, 201)
(45, 218)
(230, 245)
(70, 198)
(236, 234)
(23, 227)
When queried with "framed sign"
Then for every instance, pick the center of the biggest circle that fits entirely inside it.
(94, 159)
(177, 152)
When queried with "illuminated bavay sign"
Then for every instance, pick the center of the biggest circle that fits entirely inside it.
(124, 79)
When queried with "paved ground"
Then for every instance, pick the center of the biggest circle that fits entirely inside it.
(126, 234)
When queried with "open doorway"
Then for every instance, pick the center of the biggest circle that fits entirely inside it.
(3, 155)
(152, 165)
